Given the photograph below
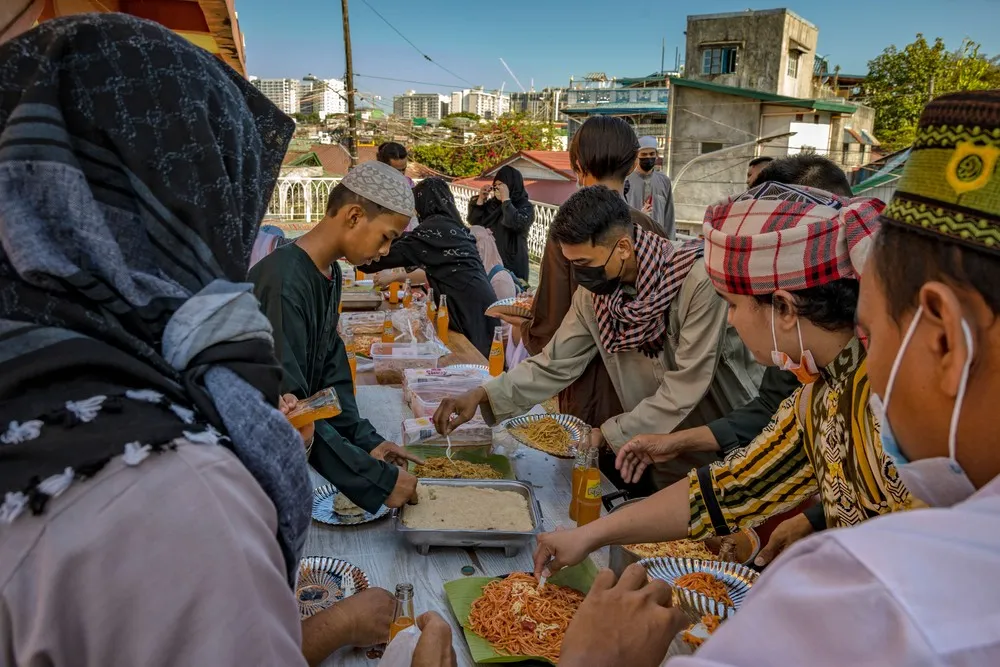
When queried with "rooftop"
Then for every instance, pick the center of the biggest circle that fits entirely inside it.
(749, 12)
(831, 105)
(336, 161)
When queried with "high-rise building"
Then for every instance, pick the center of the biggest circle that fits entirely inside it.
(540, 106)
(485, 104)
(323, 97)
(283, 92)
(430, 106)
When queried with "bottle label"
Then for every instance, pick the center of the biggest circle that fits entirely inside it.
(593, 491)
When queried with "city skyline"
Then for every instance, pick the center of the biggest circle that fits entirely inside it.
(467, 46)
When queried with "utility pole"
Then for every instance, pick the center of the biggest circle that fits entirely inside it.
(352, 120)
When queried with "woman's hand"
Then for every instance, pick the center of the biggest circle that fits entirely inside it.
(286, 404)
(503, 192)
(484, 194)
(386, 277)
(787, 533)
(560, 549)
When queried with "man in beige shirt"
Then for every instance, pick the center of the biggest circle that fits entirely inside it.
(647, 307)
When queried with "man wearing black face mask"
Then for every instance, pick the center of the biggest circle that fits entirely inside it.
(649, 310)
(649, 191)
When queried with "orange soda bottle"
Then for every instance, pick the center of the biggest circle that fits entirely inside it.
(352, 358)
(358, 275)
(496, 353)
(404, 616)
(394, 292)
(442, 319)
(588, 503)
(388, 333)
(431, 306)
(407, 294)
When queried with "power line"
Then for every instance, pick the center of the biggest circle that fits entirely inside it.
(421, 83)
(416, 48)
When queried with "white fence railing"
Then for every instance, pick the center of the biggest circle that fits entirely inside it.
(299, 199)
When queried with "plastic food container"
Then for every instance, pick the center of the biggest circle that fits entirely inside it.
(391, 359)
(425, 398)
(474, 433)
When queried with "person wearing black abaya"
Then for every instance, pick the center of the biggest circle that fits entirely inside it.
(508, 214)
(446, 250)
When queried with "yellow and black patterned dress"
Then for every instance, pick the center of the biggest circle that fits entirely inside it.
(823, 439)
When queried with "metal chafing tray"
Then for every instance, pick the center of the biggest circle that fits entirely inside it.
(511, 542)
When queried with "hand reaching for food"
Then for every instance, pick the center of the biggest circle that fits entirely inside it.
(453, 412)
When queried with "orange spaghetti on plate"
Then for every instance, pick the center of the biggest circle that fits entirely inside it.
(710, 622)
(706, 584)
(518, 618)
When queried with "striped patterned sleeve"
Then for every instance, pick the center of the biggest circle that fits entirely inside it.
(770, 475)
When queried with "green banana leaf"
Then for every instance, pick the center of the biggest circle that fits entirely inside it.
(461, 593)
(470, 454)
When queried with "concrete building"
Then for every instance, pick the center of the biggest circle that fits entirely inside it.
(487, 104)
(430, 106)
(707, 159)
(541, 106)
(770, 50)
(642, 101)
(283, 92)
(323, 97)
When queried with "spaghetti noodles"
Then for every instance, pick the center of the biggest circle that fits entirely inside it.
(517, 617)
(439, 467)
(710, 622)
(675, 549)
(706, 584)
(546, 434)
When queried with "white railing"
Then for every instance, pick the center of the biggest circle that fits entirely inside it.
(301, 199)
(537, 235)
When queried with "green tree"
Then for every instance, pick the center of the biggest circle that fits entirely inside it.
(901, 81)
(493, 142)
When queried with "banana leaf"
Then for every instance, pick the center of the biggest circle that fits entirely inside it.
(470, 454)
(461, 593)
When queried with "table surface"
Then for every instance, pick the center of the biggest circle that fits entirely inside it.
(389, 560)
(462, 352)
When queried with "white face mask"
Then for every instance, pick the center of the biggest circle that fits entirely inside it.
(938, 481)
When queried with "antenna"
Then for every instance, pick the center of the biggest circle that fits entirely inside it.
(513, 75)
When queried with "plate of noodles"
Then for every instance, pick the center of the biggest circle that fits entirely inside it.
(552, 434)
(463, 464)
(704, 587)
(518, 306)
(323, 581)
(506, 619)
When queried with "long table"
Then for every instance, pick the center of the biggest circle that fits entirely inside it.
(462, 352)
(388, 560)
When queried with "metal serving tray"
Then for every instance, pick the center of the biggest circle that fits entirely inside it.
(511, 542)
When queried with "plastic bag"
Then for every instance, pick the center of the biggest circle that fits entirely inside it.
(399, 652)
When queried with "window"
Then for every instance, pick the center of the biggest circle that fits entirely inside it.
(719, 60)
(793, 64)
(710, 146)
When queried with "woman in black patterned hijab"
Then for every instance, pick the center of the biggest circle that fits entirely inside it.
(446, 250)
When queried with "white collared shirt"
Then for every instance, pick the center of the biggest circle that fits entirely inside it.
(907, 589)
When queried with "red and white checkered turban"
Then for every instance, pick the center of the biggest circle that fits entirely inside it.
(777, 236)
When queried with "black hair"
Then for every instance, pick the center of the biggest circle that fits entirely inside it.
(814, 171)
(906, 260)
(831, 306)
(604, 147)
(391, 150)
(594, 214)
(340, 197)
(760, 160)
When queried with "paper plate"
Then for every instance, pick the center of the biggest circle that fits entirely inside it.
(573, 425)
(471, 367)
(323, 581)
(518, 306)
(323, 498)
(737, 578)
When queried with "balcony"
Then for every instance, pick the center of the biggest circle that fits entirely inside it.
(298, 203)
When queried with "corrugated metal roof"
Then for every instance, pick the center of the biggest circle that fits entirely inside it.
(805, 103)
(617, 109)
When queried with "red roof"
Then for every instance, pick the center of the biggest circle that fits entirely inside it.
(542, 191)
(336, 160)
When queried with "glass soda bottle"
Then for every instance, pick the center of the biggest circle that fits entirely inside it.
(442, 319)
(388, 334)
(431, 306)
(579, 467)
(394, 292)
(352, 358)
(404, 617)
(358, 274)
(588, 503)
(407, 294)
(496, 352)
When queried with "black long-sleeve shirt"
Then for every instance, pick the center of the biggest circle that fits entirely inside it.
(302, 305)
(510, 231)
(740, 427)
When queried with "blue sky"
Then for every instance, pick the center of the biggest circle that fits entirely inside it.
(550, 40)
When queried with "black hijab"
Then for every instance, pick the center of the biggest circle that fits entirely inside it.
(433, 197)
(135, 169)
(518, 196)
